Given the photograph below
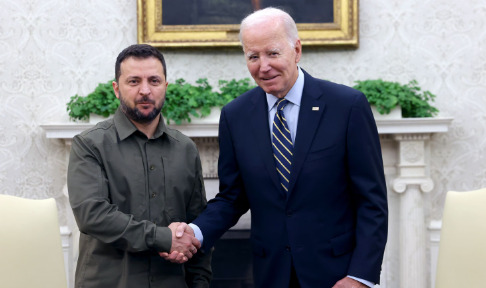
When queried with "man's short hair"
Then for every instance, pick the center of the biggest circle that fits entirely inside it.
(142, 51)
(271, 13)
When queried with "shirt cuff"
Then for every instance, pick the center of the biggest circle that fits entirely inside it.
(197, 233)
(365, 282)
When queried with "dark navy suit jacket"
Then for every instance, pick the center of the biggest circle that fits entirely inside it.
(333, 221)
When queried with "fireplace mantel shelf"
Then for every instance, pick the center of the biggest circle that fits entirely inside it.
(396, 126)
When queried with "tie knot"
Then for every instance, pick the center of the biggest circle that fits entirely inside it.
(282, 103)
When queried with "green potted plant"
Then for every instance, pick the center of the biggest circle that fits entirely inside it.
(183, 103)
(102, 101)
(186, 102)
(386, 95)
(229, 90)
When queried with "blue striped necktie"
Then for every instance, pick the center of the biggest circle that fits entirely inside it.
(282, 145)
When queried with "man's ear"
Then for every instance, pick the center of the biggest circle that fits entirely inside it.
(116, 89)
(298, 50)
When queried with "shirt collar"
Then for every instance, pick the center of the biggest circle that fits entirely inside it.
(294, 95)
(125, 127)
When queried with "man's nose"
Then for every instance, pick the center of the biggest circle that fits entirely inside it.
(144, 88)
(264, 64)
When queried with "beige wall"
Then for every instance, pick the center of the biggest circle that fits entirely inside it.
(51, 49)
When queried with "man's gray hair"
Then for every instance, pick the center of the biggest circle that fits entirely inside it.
(272, 13)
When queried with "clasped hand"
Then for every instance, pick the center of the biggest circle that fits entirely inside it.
(184, 244)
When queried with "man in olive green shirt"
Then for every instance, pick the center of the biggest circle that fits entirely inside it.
(128, 179)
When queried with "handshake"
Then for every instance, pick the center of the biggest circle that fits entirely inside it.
(184, 244)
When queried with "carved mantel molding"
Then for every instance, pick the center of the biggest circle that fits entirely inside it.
(411, 181)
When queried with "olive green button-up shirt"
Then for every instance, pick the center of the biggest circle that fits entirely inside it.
(125, 190)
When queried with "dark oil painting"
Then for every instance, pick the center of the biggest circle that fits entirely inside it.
(224, 12)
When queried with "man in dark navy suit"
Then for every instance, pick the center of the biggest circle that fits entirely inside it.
(318, 205)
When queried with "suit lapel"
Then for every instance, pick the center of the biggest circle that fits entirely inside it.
(311, 110)
(261, 131)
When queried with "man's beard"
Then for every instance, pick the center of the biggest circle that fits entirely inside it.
(135, 114)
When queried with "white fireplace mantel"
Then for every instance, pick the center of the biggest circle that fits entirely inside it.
(67, 131)
(406, 158)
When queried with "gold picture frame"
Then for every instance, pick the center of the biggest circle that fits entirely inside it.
(342, 31)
